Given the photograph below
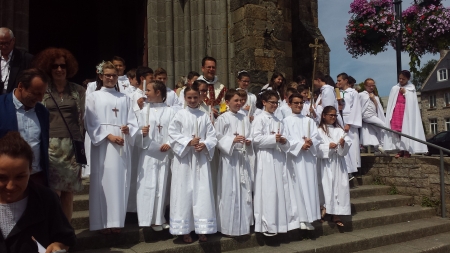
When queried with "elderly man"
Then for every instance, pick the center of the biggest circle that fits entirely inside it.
(13, 61)
(30, 118)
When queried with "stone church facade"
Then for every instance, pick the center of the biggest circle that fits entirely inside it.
(260, 36)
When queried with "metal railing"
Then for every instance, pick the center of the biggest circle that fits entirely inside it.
(441, 152)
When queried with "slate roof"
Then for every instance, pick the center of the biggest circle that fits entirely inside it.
(432, 84)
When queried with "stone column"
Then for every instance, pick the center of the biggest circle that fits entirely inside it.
(14, 14)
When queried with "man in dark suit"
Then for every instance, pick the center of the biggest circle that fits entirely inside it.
(21, 111)
(13, 61)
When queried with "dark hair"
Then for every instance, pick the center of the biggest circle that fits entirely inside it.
(131, 73)
(208, 58)
(160, 71)
(343, 75)
(329, 80)
(299, 79)
(351, 80)
(159, 85)
(192, 74)
(118, 58)
(194, 87)
(280, 88)
(301, 88)
(14, 146)
(230, 93)
(295, 95)
(45, 59)
(142, 71)
(291, 90)
(322, 123)
(406, 74)
(319, 75)
(27, 75)
(242, 74)
(268, 94)
(242, 93)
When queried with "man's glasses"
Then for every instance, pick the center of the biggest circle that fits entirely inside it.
(7, 43)
(56, 66)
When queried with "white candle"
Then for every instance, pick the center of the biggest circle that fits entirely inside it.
(148, 115)
(196, 128)
(278, 127)
(211, 114)
(249, 111)
(308, 135)
(243, 128)
(144, 87)
(123, 137)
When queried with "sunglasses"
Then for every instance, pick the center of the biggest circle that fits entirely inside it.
(56, 66)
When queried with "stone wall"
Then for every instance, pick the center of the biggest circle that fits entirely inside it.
(416, 176)
(14, 15)
(441, 112)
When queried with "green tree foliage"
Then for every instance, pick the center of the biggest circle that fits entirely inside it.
(419, 78)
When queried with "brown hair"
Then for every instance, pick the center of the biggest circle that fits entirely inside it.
(45, 59)
(230, 94)
(106, 65)
(242, 93)
(159, 85)
(322, 123)
(131, 73)
(160, 71)
(14, 146)
(27, 75)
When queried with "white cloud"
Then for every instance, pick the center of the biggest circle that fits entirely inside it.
(333, 17)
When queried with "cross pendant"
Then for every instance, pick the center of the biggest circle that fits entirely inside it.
(272, 132)
(236, 134)
(159, 127)
(115, 110)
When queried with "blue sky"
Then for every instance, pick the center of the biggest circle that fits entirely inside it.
(333, 17)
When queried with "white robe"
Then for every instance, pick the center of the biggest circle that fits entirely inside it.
(333, 181)
(110, 171)
(251, 101)
(412, 122)
(351, 112)
(86, 171)
(285, 110)
(172, 100)
(274, 199)
(327, 97)
(302, 163)
(371, 135)
(124, 85)
(192, 203)
(235, 176)
(152, 176)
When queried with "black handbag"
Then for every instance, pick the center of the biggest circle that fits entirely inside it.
(78, 146)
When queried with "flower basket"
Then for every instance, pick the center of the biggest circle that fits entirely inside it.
(371, 27)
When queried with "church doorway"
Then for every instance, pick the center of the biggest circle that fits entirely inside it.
(91, 30)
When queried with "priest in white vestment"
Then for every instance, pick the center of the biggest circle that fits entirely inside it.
(301, 131)
(193, 140)
(111, 125)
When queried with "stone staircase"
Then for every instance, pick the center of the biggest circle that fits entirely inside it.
(379, 223)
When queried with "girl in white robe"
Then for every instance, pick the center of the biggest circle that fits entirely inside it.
(249, 107)
(193, 139)
(154, 162)
(335, 195)
(274, 200)
(301, 160)
(234, 181)
(111, 125)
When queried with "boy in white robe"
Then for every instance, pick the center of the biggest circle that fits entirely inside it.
(249, 107)
(285, 109)
(333, 184)
(154, 162)
(327, 97)
(123, 82)
(274, 199)
(193, 139)
(111, 125)
(301, 161)
(234, 180)
(351, 114)
(372, 113)
(172, 98)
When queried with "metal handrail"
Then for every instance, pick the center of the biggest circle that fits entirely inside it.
(441, 152)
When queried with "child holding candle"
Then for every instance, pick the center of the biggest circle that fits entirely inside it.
(193, 139)
(234, 188)
(275, 210)
(301, 161)
(154, 161)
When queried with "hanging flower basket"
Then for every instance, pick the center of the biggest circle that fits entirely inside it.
(371, 27)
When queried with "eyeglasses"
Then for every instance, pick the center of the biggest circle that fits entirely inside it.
(56, 66)
(332, 115)
(203, 91)
(274, 102)
(297, 103)
(7, 43)
(110, 75)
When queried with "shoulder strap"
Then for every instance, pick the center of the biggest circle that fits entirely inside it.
(60, 113)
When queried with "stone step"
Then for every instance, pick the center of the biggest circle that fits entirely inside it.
(361, 220)
(372, 203)
(439, 243)
(357, 240)
(361, 180)
(369, 190)
(81, 202)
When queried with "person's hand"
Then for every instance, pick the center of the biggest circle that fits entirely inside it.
(125, 129)
(247, 108)
(277, 137)
(342, 142)
(248, 142)
(307, 144)
(215, 112)
(403, 90)
(371, 96)
(194, 141)
(199, 147)
(239, 139)
(116, 139)
(55, 247)
(346, 128)
(251, 119)
(333, 145)
(164, 148)
(283, 140)
(145, 130)
(140, 103)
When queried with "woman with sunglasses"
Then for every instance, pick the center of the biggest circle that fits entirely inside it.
(64, 171)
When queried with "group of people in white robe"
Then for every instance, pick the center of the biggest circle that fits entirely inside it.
(246, 167)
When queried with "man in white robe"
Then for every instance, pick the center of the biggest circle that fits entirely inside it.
(301, 161)
(351, 114)
(107, 112)
(372, 113)
(123, 82)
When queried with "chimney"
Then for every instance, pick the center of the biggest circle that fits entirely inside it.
(443, 52)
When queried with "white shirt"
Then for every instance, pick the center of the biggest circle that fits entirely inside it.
(10, 214)
(30, 130)
(5, 69)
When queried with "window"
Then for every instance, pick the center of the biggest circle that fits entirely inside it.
(432, 101)
(433, 126)
(442, 75)
(447, 98)
(447, 124)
